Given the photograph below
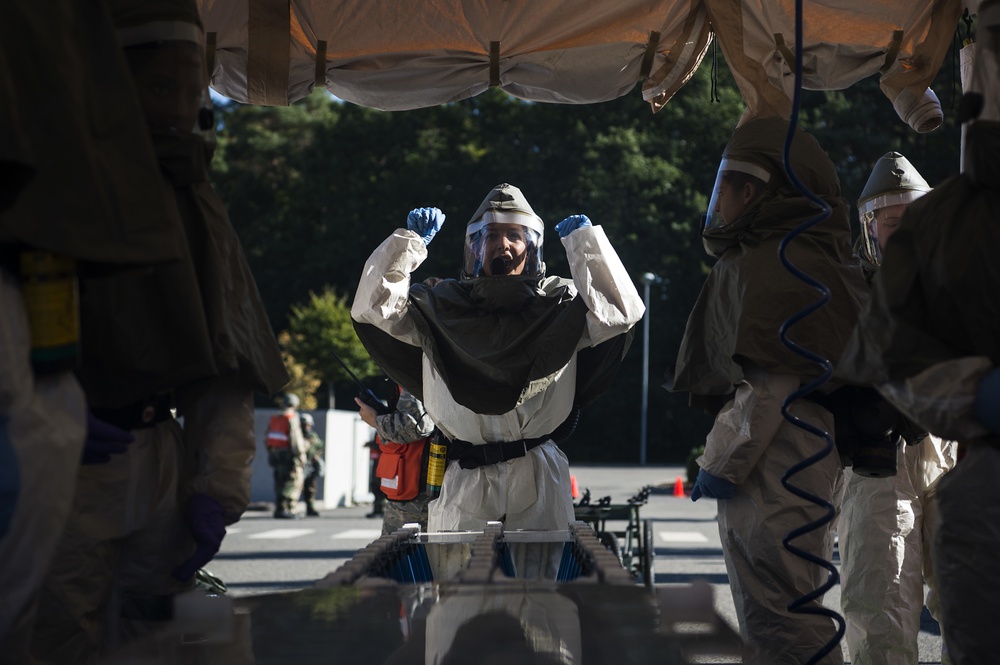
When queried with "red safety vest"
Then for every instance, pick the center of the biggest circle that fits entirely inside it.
(278, 431)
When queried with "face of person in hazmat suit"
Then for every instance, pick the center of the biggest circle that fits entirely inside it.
(504, 249)
(167, 61)
(893, 184)
(170, 77)
(504, 237)
(751, 183)
(737, 185)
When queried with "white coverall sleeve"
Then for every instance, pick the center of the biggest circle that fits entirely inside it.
(382, 299)
(746, 425)
(942, 398)
(603, 283)
(219, 436)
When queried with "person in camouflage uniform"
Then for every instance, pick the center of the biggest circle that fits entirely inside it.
(288, 462)
(409, 423)
(315, 456)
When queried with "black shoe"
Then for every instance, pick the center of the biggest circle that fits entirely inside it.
(285, 515)
(312, 512)
(375, 514)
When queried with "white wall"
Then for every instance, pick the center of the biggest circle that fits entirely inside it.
(346, 480)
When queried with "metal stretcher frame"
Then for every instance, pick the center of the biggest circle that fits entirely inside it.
(633, 545)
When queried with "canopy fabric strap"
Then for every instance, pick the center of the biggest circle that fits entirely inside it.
(494, 64)
(890, 55)
(786, 53)
(714, 91)
(268, 56)
(210, 40)
(647, 58)
(321, 63)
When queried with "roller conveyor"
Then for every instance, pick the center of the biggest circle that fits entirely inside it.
(413, 598)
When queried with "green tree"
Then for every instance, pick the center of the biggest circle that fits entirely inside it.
(302, 381)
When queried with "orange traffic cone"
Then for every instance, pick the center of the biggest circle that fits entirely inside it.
(574, 491)
(679, 487)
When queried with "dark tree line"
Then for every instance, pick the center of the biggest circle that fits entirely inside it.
(314, 188)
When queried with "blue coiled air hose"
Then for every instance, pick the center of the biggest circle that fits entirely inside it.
(805, 604)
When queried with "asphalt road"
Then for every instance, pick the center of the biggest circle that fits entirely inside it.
(264, 555)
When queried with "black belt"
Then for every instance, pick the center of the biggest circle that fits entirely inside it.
(143, 413)
(473, 456)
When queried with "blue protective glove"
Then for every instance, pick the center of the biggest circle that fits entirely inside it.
(988, 401)
(572, 223)
(425, 222)
(10, 478)
(208, 526)
(103, 441)
(712, 486)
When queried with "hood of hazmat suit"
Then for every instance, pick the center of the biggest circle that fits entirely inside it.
(505, 204)
(893, 182)
(84, 169)
(749, 294)
(184, 322)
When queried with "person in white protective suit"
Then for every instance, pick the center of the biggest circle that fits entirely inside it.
(886, 524)
(190, 336)
(503, 358)
(930, 341)
(60, 219)
(733, 363)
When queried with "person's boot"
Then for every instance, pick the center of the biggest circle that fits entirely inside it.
(311, 510)
(283, 511)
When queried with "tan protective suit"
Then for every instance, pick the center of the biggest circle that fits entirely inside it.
(931, 368)
(530, 492)
(932, 333)
(731, 349)
(197, 329)
(78, 178)
(886, 527)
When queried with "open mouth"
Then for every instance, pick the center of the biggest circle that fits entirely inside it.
(501, 265)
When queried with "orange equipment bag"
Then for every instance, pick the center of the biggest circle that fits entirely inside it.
(278, 431)
(400, 468)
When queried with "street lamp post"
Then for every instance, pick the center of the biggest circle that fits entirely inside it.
(647, 279)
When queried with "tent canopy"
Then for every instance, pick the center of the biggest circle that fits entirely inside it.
(392, 55)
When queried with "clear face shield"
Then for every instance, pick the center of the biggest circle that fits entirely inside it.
(167, 61)
(880, 217)
(730, 194)
(503, 243)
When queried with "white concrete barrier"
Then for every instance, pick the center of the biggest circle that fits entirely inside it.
(347, 458)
